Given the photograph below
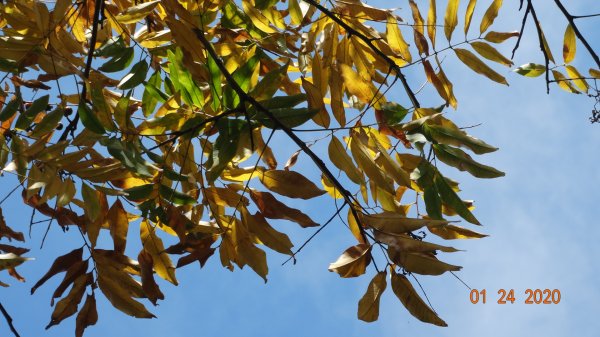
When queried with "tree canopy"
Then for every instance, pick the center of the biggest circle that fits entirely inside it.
(158, 117)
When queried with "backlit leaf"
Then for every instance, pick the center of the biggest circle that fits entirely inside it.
(451, 18)
(490, 53)
(368, 306)
(469, 14)
(471, 61)
(569, 45)
(531, 70)
(290, 184)
(490, 15)
(154, 245)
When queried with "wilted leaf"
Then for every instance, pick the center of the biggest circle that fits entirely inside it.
(267, 235)
(87, 316)
(61, 264)
(368, 306)
(7, 232)
(499, 37)
(340, 158)
(451, 232)
(413, 302)
(67, 306)
(149, 285)
(274, 209)
(353, 262)
(393, 223)
(118, 223)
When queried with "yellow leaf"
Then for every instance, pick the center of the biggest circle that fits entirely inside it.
(569, 45)
(393, 223)
(258, 19)
(364, 90)
(315, 101)
(368, 306)
(452, 232)
(366, 163)
(471, 61)
(563, 82)
(594, 73)
(546, 47)
(340, 158)
(330, 188)
(469, 14)
(290, 184)
(154, 245)
(431, 22)
(499, 37)
(355, 228)
(137, 13)
(490, 53)
(412, 301)
(577, 78)
(400, 176)
(353, 262)
(396, 40)
(336, 87)
(447, 86)
(149, 285)
(490, 15)
(118, 223)
(418, 30)
(247, 252)
(451, 18)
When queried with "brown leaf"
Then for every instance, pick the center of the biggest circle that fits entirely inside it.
(120, 298)
(32, 84)
(292, 160)
(154, 245)
(13, 272)
(274, 209)
(87, 316)
(420, 263)
(61, 264)
(201, 255)
(451, 232)
(148, 283)
(77, 269)
(413, 302)
(13, 249)
(368, 306)
(7, 232)
(394, 223)
(67, 306)
(267, 235)
(119, 225)
(290, 184)
(353, 262)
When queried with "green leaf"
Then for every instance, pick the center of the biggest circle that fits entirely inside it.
(182, 79)
(433, 202)
(394, 113)
(462, 161)
(136, 76)
(48, 123)
(128, 155)
(91, 202)
(10, 109)
(8, 66)
(215, 82)
(288, 117)
(270, 83)
(113, 47)
(119, 61)
(457, 137)
(152, 94)
(89, 119)
(139, 193)
(225, 147)
(242, 77)
(450, 198)
(26, 119)
(174, 196)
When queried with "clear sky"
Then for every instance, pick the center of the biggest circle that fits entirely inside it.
(542, 219)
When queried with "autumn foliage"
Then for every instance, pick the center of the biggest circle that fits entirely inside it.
(157, 117)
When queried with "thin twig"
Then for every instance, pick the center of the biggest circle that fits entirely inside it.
(538, 28)
(314, 234)
(9, 320)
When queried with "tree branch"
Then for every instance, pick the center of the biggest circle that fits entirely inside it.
(9, 320)
(541, 41)
(88, 66)
(571, 20)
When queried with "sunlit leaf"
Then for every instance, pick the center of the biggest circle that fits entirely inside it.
(368, 306)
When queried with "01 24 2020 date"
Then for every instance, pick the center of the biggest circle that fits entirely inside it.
(531, 296)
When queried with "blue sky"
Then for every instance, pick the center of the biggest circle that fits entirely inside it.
(541, 217)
